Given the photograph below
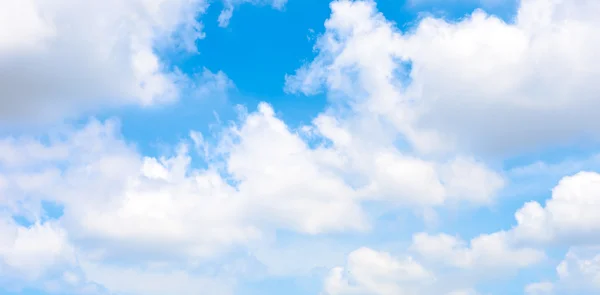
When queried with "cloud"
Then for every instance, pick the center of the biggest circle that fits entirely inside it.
(293, 183)
(488, 251)
(371, 272)
(444, 265)
(541, 288)
(578, 273)
(567, 217)
(62, 58)
(30, 253)
(122, 206)
(580, 270)
(189, 212)
(86, 54)
(259, 176)
(412, 115)
(480, 84)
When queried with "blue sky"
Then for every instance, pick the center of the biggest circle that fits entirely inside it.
(347, 147)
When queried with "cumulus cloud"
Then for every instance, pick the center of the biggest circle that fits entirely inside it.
(491, 251)
(580, 269)
(412, 115)
(444, 265)
(480, 84)
(30, 253)
(120, 205)
(372, 272)
(567, 217)
(578, 273)
(68, 53)
(61, 57)
(541, 288)
(166, 205)
(260, 176)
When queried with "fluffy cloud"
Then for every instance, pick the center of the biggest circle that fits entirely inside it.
(121, 206)
(578, 273)
(370, 272)
(373, 272)
(30, 253)
(480, 84)
(61, 57)
(448, 266)
(492, 252)
(568, 217)
(197, 211)
(382, 171)
(541, 288)
(408, 109)
(371, 118)
(84, 54)
(259, 176)
(167, 205)
(580, 270)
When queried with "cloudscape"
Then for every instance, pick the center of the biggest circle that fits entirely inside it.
(301, 147)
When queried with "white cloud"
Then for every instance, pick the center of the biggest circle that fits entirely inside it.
(181, 213)
(470, 180)
(85, 54)
(580, 269)
(478, 85)
(188, 212)
(291, 184)
(448, 266)
(229, 6)
(485, 252)
(261, 176)
(176, 213)
(382, 139)
(370, 120)
(63, 57)
(541, 288)
(578, 273)
(119, 205)
(568, 217)
(30, 253)
(370, 272)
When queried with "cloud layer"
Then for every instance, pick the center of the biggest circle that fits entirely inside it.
(419, 119)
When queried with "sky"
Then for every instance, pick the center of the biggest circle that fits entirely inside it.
(301, 147)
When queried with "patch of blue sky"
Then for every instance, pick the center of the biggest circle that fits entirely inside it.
(258, 48)
(452, 10)
(292, 286)
(49, 211)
